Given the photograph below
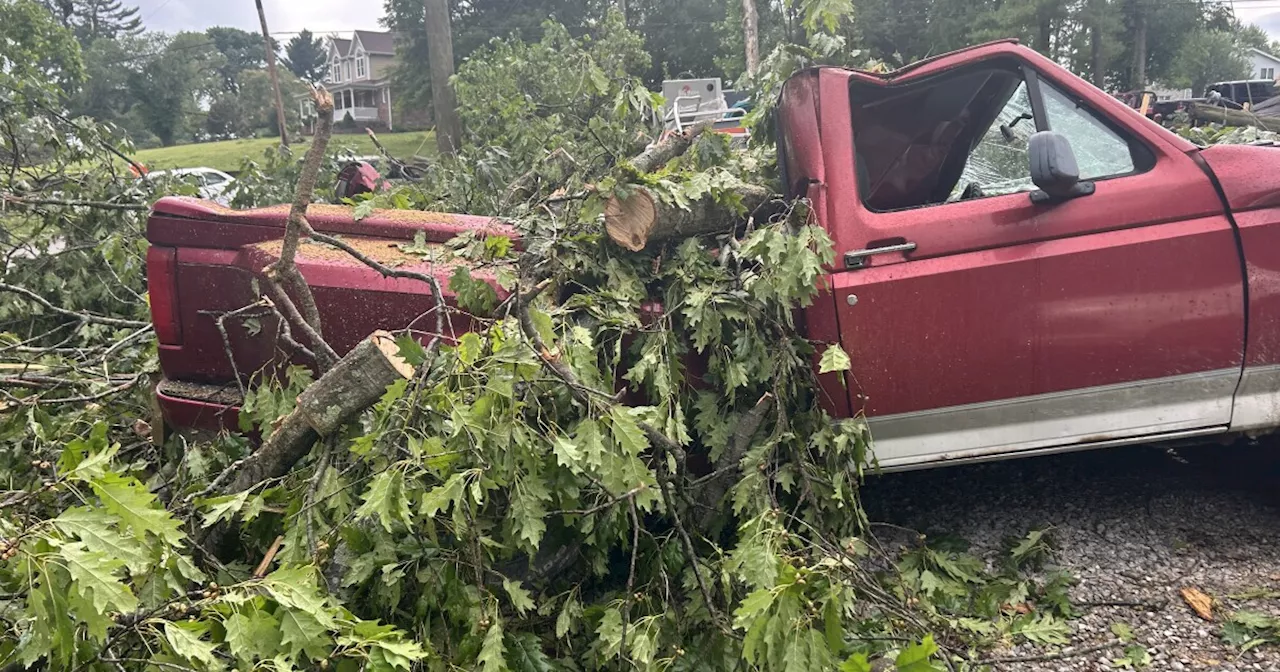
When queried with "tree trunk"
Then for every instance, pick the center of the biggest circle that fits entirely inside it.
(274, 74)
(1140, 51)
(751, 35)
(1097, 67)
(1044, 21)
(440, 53)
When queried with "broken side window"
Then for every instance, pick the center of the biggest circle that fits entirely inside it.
(964, 135)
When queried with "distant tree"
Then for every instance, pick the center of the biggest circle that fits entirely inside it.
(1209, 56)
(305, 57)
(1254, 37)
(90, 20)
(36, 46)
(258, 103)
(474, 24)
(169, 86)
(242, 51)
(105, 93)
(226, 118)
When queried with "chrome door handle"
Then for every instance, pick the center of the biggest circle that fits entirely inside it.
(858, 258)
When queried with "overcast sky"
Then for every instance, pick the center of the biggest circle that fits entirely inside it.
(283, 16)
(328, 16)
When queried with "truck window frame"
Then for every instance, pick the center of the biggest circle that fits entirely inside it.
(1142, 157)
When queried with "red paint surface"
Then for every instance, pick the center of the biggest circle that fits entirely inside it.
(1004, 298)
(1250, 179)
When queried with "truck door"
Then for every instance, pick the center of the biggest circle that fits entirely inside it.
(981, 322)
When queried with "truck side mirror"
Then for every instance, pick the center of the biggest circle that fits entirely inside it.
(1054, 169)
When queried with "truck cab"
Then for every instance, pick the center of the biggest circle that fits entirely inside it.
(1025, 265)
(984, 320)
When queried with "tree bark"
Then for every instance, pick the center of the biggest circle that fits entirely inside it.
(1097, 65)
(440, 53)
(285, 268)
(353, 385)
(641, 217)
(274, 74)
(1212, 113)
(1140, 50)
(751, 35)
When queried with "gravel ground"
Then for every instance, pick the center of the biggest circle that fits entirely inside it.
(1135, 526)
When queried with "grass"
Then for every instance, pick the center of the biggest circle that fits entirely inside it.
(227, 155)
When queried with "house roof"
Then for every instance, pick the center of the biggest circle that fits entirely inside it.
(377, 43)
(1264, 54)
(341, 45)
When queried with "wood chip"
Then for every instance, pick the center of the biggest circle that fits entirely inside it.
(1199, 602)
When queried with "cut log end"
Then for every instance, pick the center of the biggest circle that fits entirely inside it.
(629, 221)
(387, 345)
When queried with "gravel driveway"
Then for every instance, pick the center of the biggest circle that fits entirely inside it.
(1135, 526)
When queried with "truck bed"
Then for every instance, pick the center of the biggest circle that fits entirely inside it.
(205, 261)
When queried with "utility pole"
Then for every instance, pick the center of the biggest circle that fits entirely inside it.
(440, 54)
(751, 35)
(275, 76)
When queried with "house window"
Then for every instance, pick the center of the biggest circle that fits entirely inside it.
(362, 67)
(1268, 73)
(335, 71)
(346, 69)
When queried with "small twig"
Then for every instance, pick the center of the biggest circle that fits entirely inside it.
(630, 494)
(691, 553)
(145, 662)
(631, 574)
(92, 397)
(97, 205)
(313, 486)
(82, 316)
(261, 571)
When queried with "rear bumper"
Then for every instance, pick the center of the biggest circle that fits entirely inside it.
(187, 406)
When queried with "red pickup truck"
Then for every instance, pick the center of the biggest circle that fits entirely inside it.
(1025, 266)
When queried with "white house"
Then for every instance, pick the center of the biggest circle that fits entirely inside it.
(359, 78)
(1265, 66)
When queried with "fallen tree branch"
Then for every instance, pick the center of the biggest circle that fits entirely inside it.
(98, 205)
(351, 386)
(730, 468)
(82, 316)
(305, 313)
(662, 153)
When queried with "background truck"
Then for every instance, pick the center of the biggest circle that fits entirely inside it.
(1025, 266)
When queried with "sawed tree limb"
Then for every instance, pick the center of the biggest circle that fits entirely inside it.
(636, 217)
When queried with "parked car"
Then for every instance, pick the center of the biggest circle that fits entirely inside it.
(1026, 266)
(212, 184)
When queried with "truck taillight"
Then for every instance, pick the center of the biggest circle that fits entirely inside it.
(162, 287)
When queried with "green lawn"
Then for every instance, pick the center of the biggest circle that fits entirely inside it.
(227, 155)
